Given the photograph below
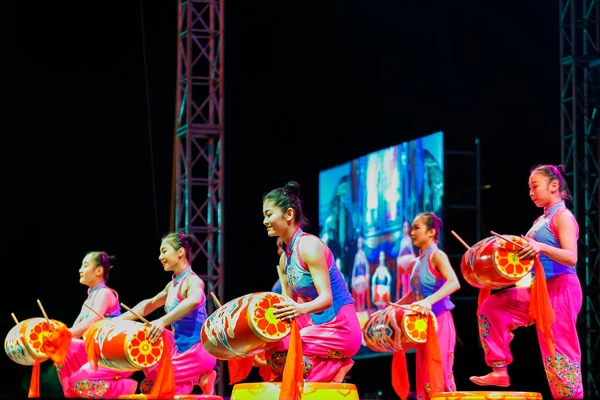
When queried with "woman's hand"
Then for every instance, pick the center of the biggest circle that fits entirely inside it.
(531, 250)
(422, 306)
(287, 310)
(156, 330)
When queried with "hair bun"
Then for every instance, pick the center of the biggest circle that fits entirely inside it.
(292, 187)
(562, 169)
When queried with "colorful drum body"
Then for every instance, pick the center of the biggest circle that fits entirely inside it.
(493, 263)
(395, 329)
(123, 346)
(487, 396)
(312, 391)
(244, 327)
(23, 344)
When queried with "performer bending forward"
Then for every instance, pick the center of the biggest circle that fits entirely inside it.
(552, 238)
(330, 330)
(185, 305)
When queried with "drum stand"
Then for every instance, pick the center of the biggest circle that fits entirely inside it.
(487, 396)
(312, 391)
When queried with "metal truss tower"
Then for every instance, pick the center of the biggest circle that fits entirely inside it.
(580, 77)
(198, 190)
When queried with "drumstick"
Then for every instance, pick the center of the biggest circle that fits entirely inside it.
(217, 302)
(14, 318)
(507, 239)
(460, 240)
(405, 306)
(94, 311)
(45, 315)
(136, 314)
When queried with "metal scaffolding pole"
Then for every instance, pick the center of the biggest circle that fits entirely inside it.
(198, 184)
(579, 79)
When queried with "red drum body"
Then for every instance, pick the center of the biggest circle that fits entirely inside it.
(395, 329)
(493, 263)
(123, 346)
(23, 343)
(244, 327)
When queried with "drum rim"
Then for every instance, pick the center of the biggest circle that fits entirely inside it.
(26, 328)
(128, 356)
(251, 307)
(315, 385)
(500, 243)
(419, 316)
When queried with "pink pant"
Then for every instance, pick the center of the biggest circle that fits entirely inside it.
(327, 348)
(447, 340)
(505, 311)
(188, 367)
(78, 379)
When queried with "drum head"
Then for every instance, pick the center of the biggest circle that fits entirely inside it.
(140, 352)
(414, 326)
(35, 331)
(261, 320)
(506, 260)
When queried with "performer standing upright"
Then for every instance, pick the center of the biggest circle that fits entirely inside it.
(77, 377)
(185, 306)
(432, 281)
(315, 289)
(552, 241)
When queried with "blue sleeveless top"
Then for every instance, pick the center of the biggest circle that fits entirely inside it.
(186, 330)
(111, 312)
(301, 283)
(542, 232)
(424, 283)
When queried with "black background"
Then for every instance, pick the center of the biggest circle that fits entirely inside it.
(89, 133)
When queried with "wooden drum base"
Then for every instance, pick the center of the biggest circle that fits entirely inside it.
(487, 396)
(177, 397)
(312, 391)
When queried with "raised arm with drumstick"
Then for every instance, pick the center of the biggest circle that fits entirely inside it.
(184, 300)
(554, 300)
(102, 302)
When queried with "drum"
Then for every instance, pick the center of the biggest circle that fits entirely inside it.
(493, 263)
(487, 396)
(244, 327)
(395, 329)
(312, 391)
(23, 343)
(122, 345)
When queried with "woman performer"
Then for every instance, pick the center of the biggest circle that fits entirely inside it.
(185, 306)
(432, 281)
(404, 262)
(551, 241)
(329, 331)
(77, 377)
